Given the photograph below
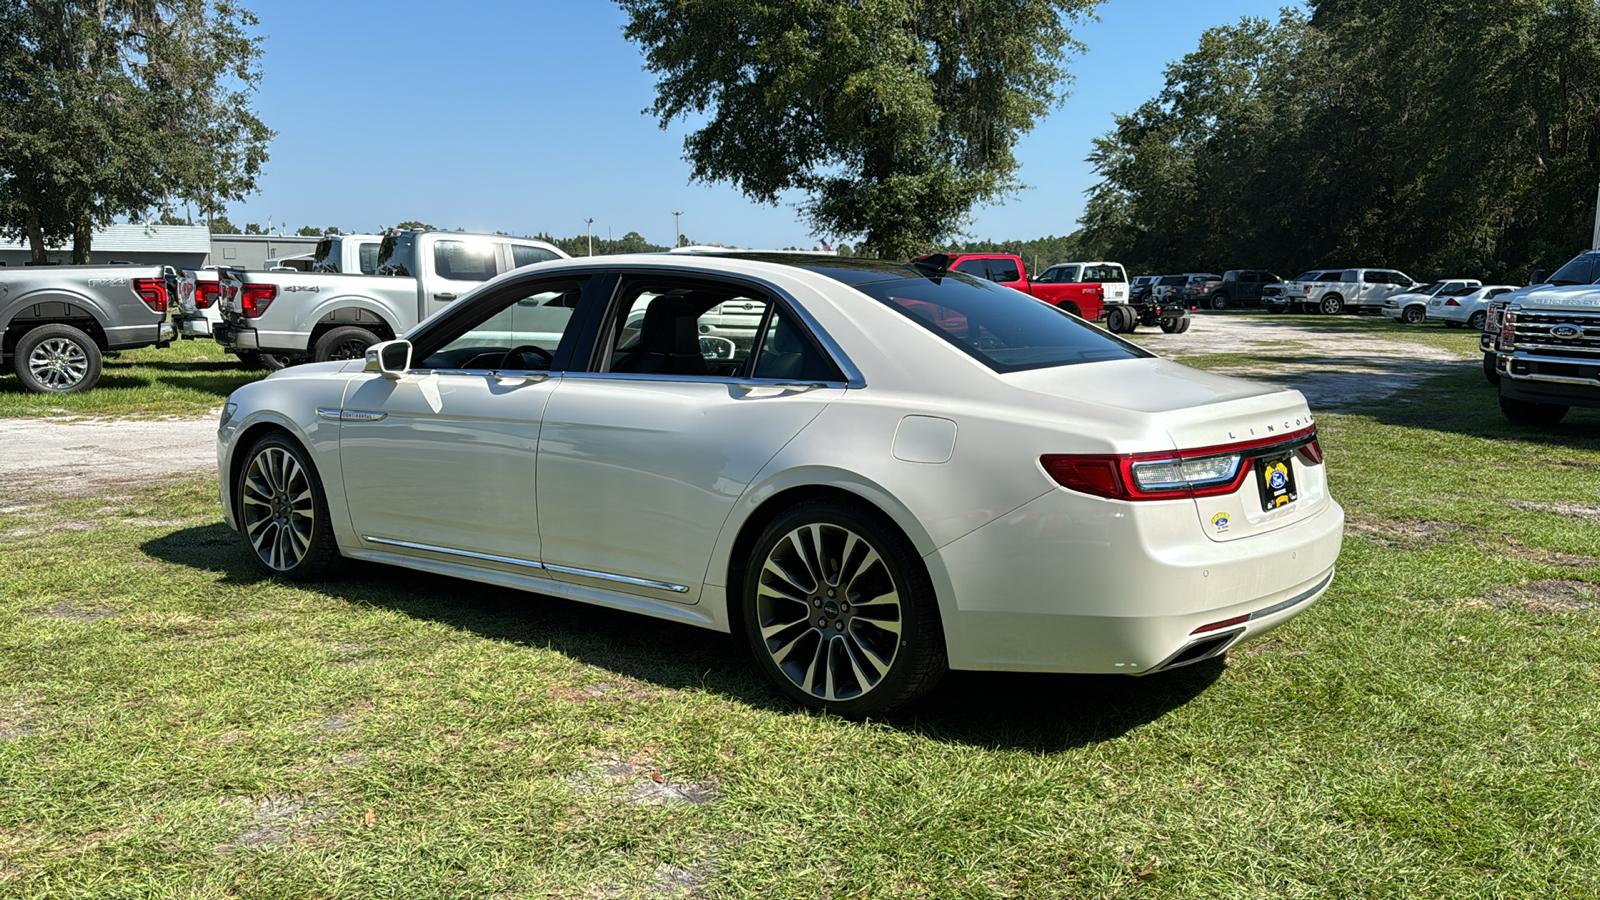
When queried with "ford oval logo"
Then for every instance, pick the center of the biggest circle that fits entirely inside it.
(1566, 332)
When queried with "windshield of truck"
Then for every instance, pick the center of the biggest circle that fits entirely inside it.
(1102, 274)
(1581, 270)
(368, 253)
(1006, 330)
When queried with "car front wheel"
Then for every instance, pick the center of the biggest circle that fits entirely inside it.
(282, 510)
(1491, 374)
(840, 611)
(1413, 315)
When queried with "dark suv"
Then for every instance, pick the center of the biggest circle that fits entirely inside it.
(1239, 288)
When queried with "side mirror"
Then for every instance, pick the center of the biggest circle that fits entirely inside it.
(391, 358)
(1539, 276)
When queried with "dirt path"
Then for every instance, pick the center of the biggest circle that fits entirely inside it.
(1337, 370)
(85, 456)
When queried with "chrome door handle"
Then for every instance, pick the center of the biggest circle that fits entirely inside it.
(444, 296)
(509, 378)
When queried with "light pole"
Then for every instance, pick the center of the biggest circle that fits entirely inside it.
(677, 241)
(590, 223)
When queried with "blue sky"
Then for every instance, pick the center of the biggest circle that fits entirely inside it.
(525, 116)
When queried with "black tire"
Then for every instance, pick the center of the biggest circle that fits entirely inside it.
(251, 359)
(1527, 412)
(344, 342)
(282, 511)
(1175, 324)
(1219, 301)
(1490, 373)
(57, 359)
(1477, 320)
(797, 618)
(1413, 315)
(1119, 320)
(1071, 307)
(1330, 305)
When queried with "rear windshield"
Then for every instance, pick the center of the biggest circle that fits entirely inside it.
(1175, 279)
(1102, 274)
(1006, 330)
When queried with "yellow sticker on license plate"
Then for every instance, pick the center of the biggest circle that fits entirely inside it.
(1275, 477)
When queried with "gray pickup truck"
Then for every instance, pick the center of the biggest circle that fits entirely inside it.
(58, 320)
(293, 316)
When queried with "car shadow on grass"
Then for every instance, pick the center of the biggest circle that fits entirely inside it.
(1031, 712)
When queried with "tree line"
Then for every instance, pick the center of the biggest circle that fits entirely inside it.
(117, 107)
(1450, 139)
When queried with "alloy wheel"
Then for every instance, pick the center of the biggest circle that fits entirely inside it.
(58, 363)
(278, 507)
(829, 612)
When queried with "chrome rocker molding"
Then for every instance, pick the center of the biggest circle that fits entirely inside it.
(529, 564)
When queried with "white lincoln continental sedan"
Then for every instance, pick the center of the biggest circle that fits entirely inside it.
(900, 470)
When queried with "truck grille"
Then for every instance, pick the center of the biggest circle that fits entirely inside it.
(1548, 333)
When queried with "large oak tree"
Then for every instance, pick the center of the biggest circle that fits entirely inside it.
(117, 107)
(894, 117)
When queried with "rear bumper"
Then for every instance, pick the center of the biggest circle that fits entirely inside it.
(1047, 588)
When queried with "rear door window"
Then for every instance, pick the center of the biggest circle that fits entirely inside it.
(1004, 271)
(464, 260)
(523, 255)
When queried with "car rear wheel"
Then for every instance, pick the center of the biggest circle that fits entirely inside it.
(1331, 304)
(1491, 374)
(1477, 320)
(1527, 412)
(282, 510)
(344, 342)
(1413, 315)
(1120, 320)
(840, 612)
(1176, 324)
(57, 359)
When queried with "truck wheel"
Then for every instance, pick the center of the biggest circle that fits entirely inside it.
(56, 359)
(1331, 305)
(1490, 373)
(1118, 320)
(1413, 315)
(1219, 301)
(1477, 320)
(251, 359)
(1526, 412)
(1071, 307)
(345, 342)
(1176, 325)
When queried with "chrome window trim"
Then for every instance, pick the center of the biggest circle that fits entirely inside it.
(530, 564)
(701, 379)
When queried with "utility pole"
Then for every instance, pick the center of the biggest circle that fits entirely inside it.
(590, 223)
(678, 240)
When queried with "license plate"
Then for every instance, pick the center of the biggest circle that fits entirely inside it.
(1275, 478)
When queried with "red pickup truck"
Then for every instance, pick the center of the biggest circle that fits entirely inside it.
(1086, 301)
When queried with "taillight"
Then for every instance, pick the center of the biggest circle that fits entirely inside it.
(153, 291)
(1202, 472)
(206, 293)
(255, 298)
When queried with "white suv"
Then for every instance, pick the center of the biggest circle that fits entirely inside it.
(1361, 290)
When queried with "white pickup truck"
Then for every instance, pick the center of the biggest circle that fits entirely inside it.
(286, 317)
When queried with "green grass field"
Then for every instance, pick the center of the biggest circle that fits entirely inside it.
(189, 378)
(173, 724)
